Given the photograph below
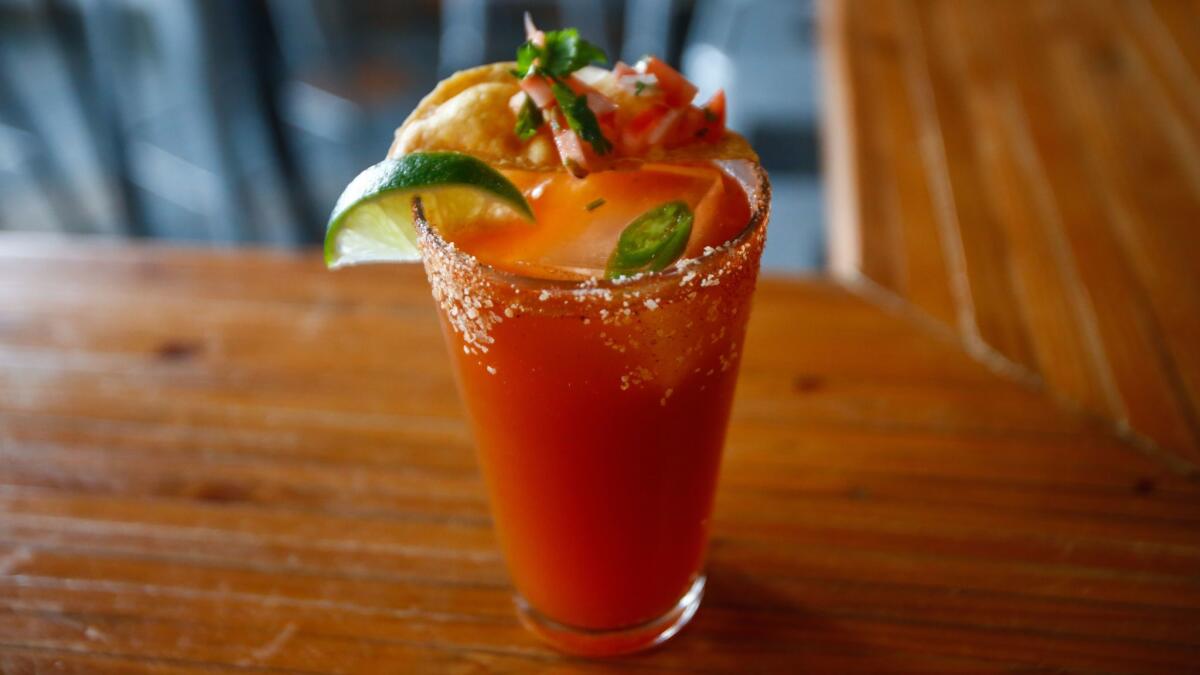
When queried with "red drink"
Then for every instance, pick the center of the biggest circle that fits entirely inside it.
(599, 408)
(594, 247)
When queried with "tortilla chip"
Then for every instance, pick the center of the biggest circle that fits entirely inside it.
(468, 112)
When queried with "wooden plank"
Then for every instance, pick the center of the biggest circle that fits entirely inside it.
(911, 239)
(1178, 18)
(366, 650)
(25, 660)
(357, 633)
(1161, 38)
(1131, 340)
(878, 230)
(840, 145)
(1057, 311)
(986, 252)
(1152, 219)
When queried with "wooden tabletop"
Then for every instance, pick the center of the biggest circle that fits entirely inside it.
(237, 460)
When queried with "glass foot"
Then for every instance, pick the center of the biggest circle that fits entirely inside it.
(588, 642)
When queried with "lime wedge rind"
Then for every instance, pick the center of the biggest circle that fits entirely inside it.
(372, 221)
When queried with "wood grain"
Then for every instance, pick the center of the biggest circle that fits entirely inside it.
(240, 461)
(1061, 145)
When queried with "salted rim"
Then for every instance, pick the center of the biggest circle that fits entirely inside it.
(760, 205)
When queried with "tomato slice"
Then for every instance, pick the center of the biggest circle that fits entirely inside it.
(693, 127)
(667, 124)
(675, 87)
(716, 109)
(635, 135)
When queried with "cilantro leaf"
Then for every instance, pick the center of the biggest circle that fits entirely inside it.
(565, 52)
(526, 53)
(528, 120)
(580, 117)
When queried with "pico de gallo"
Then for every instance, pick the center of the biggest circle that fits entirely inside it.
(592, 112)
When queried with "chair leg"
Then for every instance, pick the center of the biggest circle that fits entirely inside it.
(260, 46)
(93, 82)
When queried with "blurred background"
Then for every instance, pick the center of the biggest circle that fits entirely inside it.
(235, 122)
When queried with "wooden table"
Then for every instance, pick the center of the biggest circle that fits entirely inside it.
(213, 459)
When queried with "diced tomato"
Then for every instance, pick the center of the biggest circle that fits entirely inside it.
(578, 86)
(674, 85)
(706, 123)
(600, 104)
(635, 135)
(575, 84)
(608, 127)
(716, 109)
(661, 131)
(693, 126)
(538, 89)
(643, 122)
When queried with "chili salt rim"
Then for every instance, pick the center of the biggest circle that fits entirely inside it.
(760, 208)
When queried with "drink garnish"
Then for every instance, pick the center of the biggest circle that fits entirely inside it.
(373, 221)
(652, 241)
(560, 53)
(580, 117)
(550, 109)
(547, 59)
(553, 108)
(529, 119)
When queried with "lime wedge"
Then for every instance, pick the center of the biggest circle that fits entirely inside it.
(373, 221)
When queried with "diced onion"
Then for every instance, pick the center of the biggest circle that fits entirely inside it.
(538, 89)
(532, 33)
(664, 126)
(600, 104)
(631, 82)
(590, 75)
(570, 149)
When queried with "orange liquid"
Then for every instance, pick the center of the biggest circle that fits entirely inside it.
(600, 424)
(571, 240)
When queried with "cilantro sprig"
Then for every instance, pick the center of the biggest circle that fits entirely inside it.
(580, 117)
(528, 120)
(563, 53)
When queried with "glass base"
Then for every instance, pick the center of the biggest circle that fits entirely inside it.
(588, 642)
